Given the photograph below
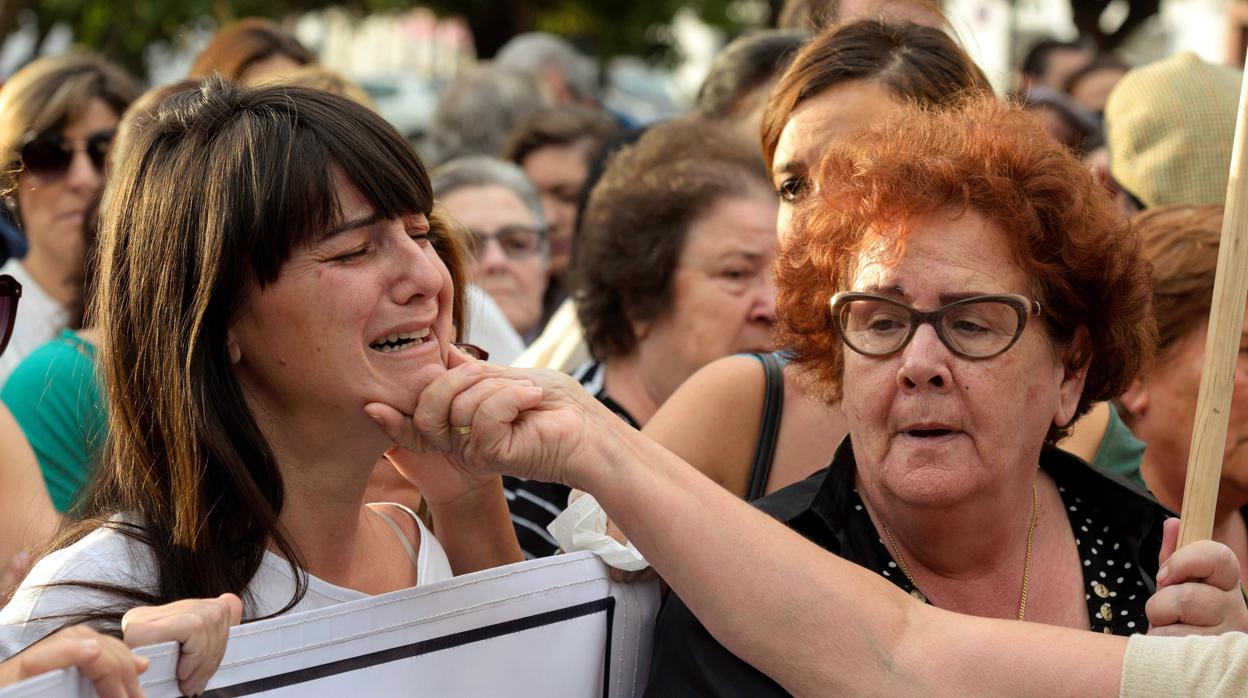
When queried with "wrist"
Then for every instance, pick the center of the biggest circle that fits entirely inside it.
(470, 499)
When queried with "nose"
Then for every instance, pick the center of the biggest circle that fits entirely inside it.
(417, 272)
(82, 176)
(764, 307)
(925, 363)
(491, 259)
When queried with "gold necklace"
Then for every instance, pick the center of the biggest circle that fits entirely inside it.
(1031, 530)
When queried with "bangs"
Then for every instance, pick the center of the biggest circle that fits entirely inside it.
(323, 132)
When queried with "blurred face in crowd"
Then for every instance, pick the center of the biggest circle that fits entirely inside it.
(53, 203)
(817, 122)
(932, 428)
(558, 172)
(1061, 64)
(1162, 409)
(723, 297)
(1092, 90)
(266, 68)
(351, 319)
(509, 259)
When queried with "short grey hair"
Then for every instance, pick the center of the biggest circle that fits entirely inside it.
(534, 51)
(479, 110)
(485, 171)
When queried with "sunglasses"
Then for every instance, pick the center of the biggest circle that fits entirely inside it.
(10, 291)
(49, 155)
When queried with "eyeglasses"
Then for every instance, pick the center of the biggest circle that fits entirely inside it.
(517, 241)
(49, 155)
(10, 291)
(979, 327)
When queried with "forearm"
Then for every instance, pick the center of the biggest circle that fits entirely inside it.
(813, 622)
(29, 517)
(475, 529)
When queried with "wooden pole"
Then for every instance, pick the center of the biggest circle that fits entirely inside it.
(1226, 322)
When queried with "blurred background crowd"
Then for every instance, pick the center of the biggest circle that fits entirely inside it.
(622, 176)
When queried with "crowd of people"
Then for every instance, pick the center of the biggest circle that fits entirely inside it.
(892, 378)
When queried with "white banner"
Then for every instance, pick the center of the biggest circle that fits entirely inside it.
(551, 627)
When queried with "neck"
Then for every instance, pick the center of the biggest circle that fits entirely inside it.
(324, 478)
(1167, 482)
(51, 277)
(1158, 477)
(961, 550)
(626, 384)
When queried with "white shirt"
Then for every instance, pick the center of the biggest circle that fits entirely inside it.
(106, 556)
(39, 319)
(488, 328)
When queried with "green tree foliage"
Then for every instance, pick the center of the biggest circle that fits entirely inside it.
(123, 29)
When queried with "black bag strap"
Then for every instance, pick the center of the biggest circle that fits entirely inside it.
(769, 426)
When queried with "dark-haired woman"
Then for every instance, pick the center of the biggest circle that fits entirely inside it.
(239, 352)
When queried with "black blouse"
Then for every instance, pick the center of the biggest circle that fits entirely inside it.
(1117, 529)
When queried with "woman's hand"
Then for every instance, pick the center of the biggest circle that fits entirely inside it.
(201, 626)
(1197, 589)
(532, 423)
(110, 666)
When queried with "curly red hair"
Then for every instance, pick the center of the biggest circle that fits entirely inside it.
(994, 158)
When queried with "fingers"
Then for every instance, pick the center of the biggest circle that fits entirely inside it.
(111, 667)
(431, 418)
(1169, 542)
(1191, 604)
(115, 673)
(465, 405)
(1204, 561)
(201, 626)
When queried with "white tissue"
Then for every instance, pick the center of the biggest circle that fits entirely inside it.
(583, 526)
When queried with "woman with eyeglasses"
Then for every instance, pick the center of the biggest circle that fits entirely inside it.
(507, 227)
(57, 118)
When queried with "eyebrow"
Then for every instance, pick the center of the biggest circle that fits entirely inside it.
(751, 255)
(789, 167)
(363, 221)
(944, 298)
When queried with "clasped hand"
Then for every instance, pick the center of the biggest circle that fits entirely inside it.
(1198, 590)
(527, 422)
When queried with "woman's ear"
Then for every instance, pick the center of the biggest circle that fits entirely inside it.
(1135, 400)
(1073, 379)
(231, 345)
(1069, 393)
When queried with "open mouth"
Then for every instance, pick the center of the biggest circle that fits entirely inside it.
(398, 342)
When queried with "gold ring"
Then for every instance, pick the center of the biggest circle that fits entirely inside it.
(461, 431)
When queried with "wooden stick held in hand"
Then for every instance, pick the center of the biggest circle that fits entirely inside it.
(1226, 319)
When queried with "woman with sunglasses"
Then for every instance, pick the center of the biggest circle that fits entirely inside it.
(249, 307)
(57, 118)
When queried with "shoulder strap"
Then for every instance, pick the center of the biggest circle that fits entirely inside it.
(398, 531)
(769, 426)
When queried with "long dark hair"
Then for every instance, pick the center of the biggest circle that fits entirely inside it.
(217, 187)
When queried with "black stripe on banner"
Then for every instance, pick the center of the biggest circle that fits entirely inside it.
(429, 646)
